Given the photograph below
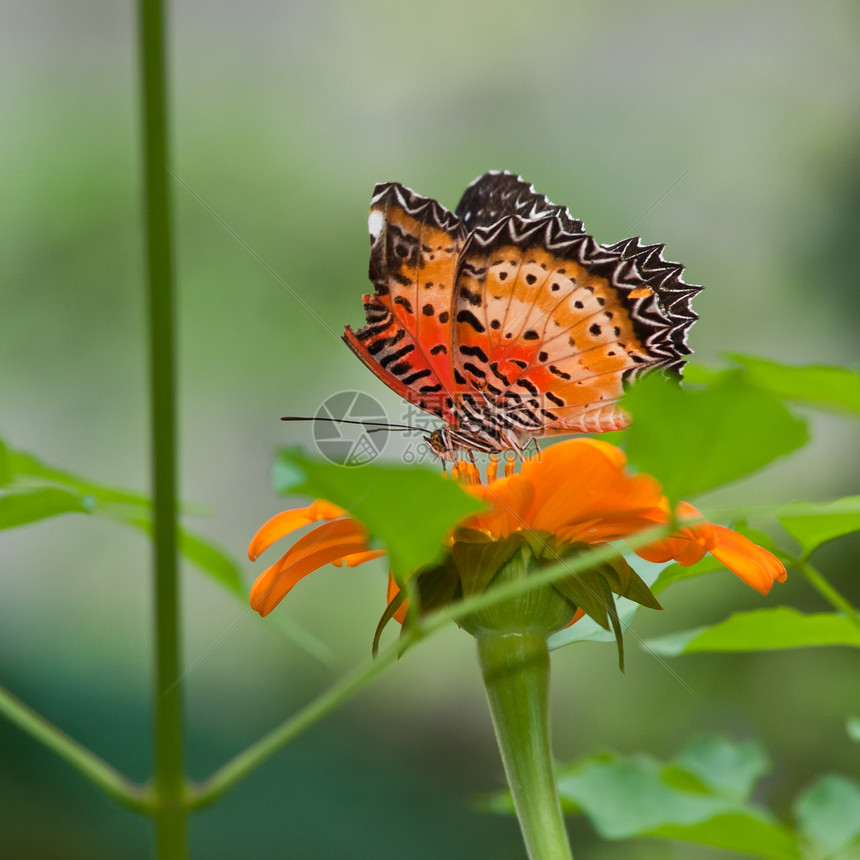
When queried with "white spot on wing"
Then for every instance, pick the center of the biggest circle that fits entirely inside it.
(374, 223)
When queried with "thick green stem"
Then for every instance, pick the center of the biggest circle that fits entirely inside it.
(168, 786)
(515, 667)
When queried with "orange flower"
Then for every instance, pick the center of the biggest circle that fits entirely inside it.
(577, 492)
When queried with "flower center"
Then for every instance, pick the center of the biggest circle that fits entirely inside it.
(468, 473)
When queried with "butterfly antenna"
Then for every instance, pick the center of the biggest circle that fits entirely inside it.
(376, 425)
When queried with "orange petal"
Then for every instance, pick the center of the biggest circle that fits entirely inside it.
(577, 615)
(607, 528)
(685, 511)
(392, 592)
(682, 549)
(509, 500)
(702, 531)
(360, 558)
(287, 521)
(614, 454)
(754, 565)
(319, 547)
(686, 546)
(602, 486)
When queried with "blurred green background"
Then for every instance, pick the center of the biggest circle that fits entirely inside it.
(728, 130)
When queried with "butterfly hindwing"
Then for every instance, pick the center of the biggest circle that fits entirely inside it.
(496, 195)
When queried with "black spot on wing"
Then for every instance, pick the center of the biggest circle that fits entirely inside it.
(414, 377)
(394, 356)
(476, 351)
(466, 316)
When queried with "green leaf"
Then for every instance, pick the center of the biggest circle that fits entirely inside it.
(828, 815)
(478, 558)
(626, 796)
(636, 796)
(625, 582)
(19, 507)
(617, 631)
(676, 573)
(588, 630)
(436, 586)
(852, 727)
(585, 590)
(390, 610)
(26, 466)
(592, 591)
(816, 385)
(213, 560)
(205, 555)
(693, 441)
(812, 524)
(6, 475)
(700, 796)
(76, 494)
(761, 630)
(701, 374)
(737, 832)
(408, 509)
(727, 767)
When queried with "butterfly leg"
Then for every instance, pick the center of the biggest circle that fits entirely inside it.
(513, 443)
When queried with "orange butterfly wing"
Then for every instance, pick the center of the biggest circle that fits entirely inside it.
(415, 248)
(507, 320)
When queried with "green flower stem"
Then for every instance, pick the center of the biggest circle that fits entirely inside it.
(168, 784)
(107, 778)
(515, 667)
(827, 591)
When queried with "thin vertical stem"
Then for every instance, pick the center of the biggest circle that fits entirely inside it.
(168, 780)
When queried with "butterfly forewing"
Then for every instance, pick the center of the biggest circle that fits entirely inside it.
(415, 246)
(664, 278)
(548, 314)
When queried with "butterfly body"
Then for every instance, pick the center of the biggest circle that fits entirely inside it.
(507, 321)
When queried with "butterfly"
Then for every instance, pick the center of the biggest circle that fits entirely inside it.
(507, 321)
